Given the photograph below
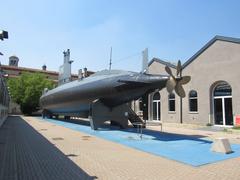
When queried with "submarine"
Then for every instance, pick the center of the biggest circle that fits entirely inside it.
(111, 89)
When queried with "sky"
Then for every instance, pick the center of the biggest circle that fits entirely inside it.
(40, 30)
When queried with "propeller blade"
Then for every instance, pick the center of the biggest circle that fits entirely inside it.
(176, 83)
(171, 84)
(179, 67)
(185, 80)
(169, 71)
(180, 91)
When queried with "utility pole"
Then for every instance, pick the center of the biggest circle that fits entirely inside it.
(110, 63)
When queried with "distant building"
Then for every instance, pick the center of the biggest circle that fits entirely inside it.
(13, 71)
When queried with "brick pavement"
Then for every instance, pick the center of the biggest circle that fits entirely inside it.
(108, 160)
(27, 155)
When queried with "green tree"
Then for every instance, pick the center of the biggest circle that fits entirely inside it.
(27, 89)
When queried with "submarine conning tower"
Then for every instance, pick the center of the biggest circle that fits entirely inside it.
(65, 69)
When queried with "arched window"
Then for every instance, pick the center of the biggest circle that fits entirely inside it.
(171, 102)
(193, 101)
(222, 89)
(156, 96)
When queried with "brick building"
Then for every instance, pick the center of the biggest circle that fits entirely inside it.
(12, 70)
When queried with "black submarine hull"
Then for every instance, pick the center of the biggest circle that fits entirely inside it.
(112, 88)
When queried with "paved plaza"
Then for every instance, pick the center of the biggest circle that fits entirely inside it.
(35, 149)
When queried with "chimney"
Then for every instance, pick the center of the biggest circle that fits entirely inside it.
(13, 61)
(44, 67)
(80, 75)
(85, 72)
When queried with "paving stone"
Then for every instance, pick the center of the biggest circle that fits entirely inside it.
(27, 155)
(77, 155)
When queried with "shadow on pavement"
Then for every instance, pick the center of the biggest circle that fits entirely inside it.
(26, 154)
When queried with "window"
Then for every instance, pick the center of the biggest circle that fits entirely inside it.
(193, 102)
(156, 96)
(222, 89)
(171, 102)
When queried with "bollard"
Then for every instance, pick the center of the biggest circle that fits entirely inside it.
(221, 145)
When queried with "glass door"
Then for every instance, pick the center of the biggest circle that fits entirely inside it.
(223, 113)
(156, 110)
(218, 115)
(228, 111)
(156, 106)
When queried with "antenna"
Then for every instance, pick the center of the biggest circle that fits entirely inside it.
(110, 63)
(145, 60)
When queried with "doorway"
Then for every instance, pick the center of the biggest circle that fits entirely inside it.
(157, 107)
(222, 104)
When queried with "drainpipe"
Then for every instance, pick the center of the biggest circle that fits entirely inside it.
(181, 119)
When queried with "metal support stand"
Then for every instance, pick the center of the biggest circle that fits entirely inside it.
(139, 128)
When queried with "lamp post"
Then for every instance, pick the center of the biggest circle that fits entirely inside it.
(3, 35)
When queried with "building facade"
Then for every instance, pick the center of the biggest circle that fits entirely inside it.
(4, 99)
(12, 70)
(212, 95)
